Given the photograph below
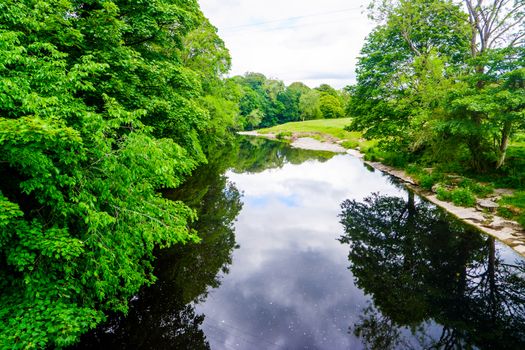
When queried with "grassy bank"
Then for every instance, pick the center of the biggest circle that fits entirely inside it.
(330, 130)
(462, 189)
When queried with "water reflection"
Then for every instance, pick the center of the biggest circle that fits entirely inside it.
(259, 154)
(271, 272)
(163, 316)
(289, 287)
(434, 282)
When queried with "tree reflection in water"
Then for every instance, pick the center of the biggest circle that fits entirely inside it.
(163, 316)
(258, 154)
(435, 283)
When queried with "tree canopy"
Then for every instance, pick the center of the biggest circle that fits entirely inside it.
(102, 103)
(267, 102)
(443, 78)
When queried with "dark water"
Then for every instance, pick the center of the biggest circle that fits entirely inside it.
(306, 250)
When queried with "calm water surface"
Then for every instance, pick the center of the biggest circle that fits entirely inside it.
(306, 250)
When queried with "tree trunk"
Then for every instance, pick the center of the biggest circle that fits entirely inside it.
(475, 145)
(504, 144)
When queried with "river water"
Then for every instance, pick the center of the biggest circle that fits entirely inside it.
(310, 250)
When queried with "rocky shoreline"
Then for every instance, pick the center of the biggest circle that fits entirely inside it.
(507, 231)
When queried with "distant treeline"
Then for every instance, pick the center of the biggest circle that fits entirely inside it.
(266, 102)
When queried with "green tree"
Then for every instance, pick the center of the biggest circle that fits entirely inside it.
(386, 74)
(98, 112)
(331, 106)
(309, 105)
(430, 73)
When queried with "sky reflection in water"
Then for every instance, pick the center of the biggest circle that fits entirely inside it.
(289, 285)
(397, 274)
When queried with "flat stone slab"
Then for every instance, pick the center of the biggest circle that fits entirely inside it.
(487, 204)
(316, 145)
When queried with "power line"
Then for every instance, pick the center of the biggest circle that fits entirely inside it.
(293, 26)
(289, 19)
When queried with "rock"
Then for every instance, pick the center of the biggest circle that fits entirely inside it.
(455, 179)
(500, 192)
(435, 188)
(486, 204)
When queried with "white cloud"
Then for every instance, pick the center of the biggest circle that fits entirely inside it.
(293, 40)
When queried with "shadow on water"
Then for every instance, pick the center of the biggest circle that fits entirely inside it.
(163, 316)
(421, 267)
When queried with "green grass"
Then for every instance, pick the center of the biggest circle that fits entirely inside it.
(513, 207)
(322, 129)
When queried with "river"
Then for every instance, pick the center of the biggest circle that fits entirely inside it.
(311, 250)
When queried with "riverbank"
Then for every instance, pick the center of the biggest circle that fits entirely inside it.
(507, 231)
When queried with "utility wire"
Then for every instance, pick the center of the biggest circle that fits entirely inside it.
(293, 26)
(288, 19)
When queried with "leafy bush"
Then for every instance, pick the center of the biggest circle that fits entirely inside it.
(477, 188)
(463, 197)
(427, 181)
(283, 135)
(443, 194)
(373, 154)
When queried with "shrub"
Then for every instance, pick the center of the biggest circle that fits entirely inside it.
(463, 197)
(477, 188)
(395, 159)
(284, 135)
(427, 181)
(443, 194)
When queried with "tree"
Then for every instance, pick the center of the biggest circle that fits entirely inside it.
(429, 72)
(309, 105)
(97, 113)
(385, 73)
(164, 315)
(495, 30)
(330, 106)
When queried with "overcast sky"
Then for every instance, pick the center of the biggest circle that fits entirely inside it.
(311, 41)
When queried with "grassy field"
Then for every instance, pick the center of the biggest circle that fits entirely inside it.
(321, 129)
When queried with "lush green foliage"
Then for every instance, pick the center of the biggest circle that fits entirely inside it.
(443, 84)
(102, 103)
(267, 102)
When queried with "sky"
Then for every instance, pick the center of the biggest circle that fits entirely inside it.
(311, 41)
